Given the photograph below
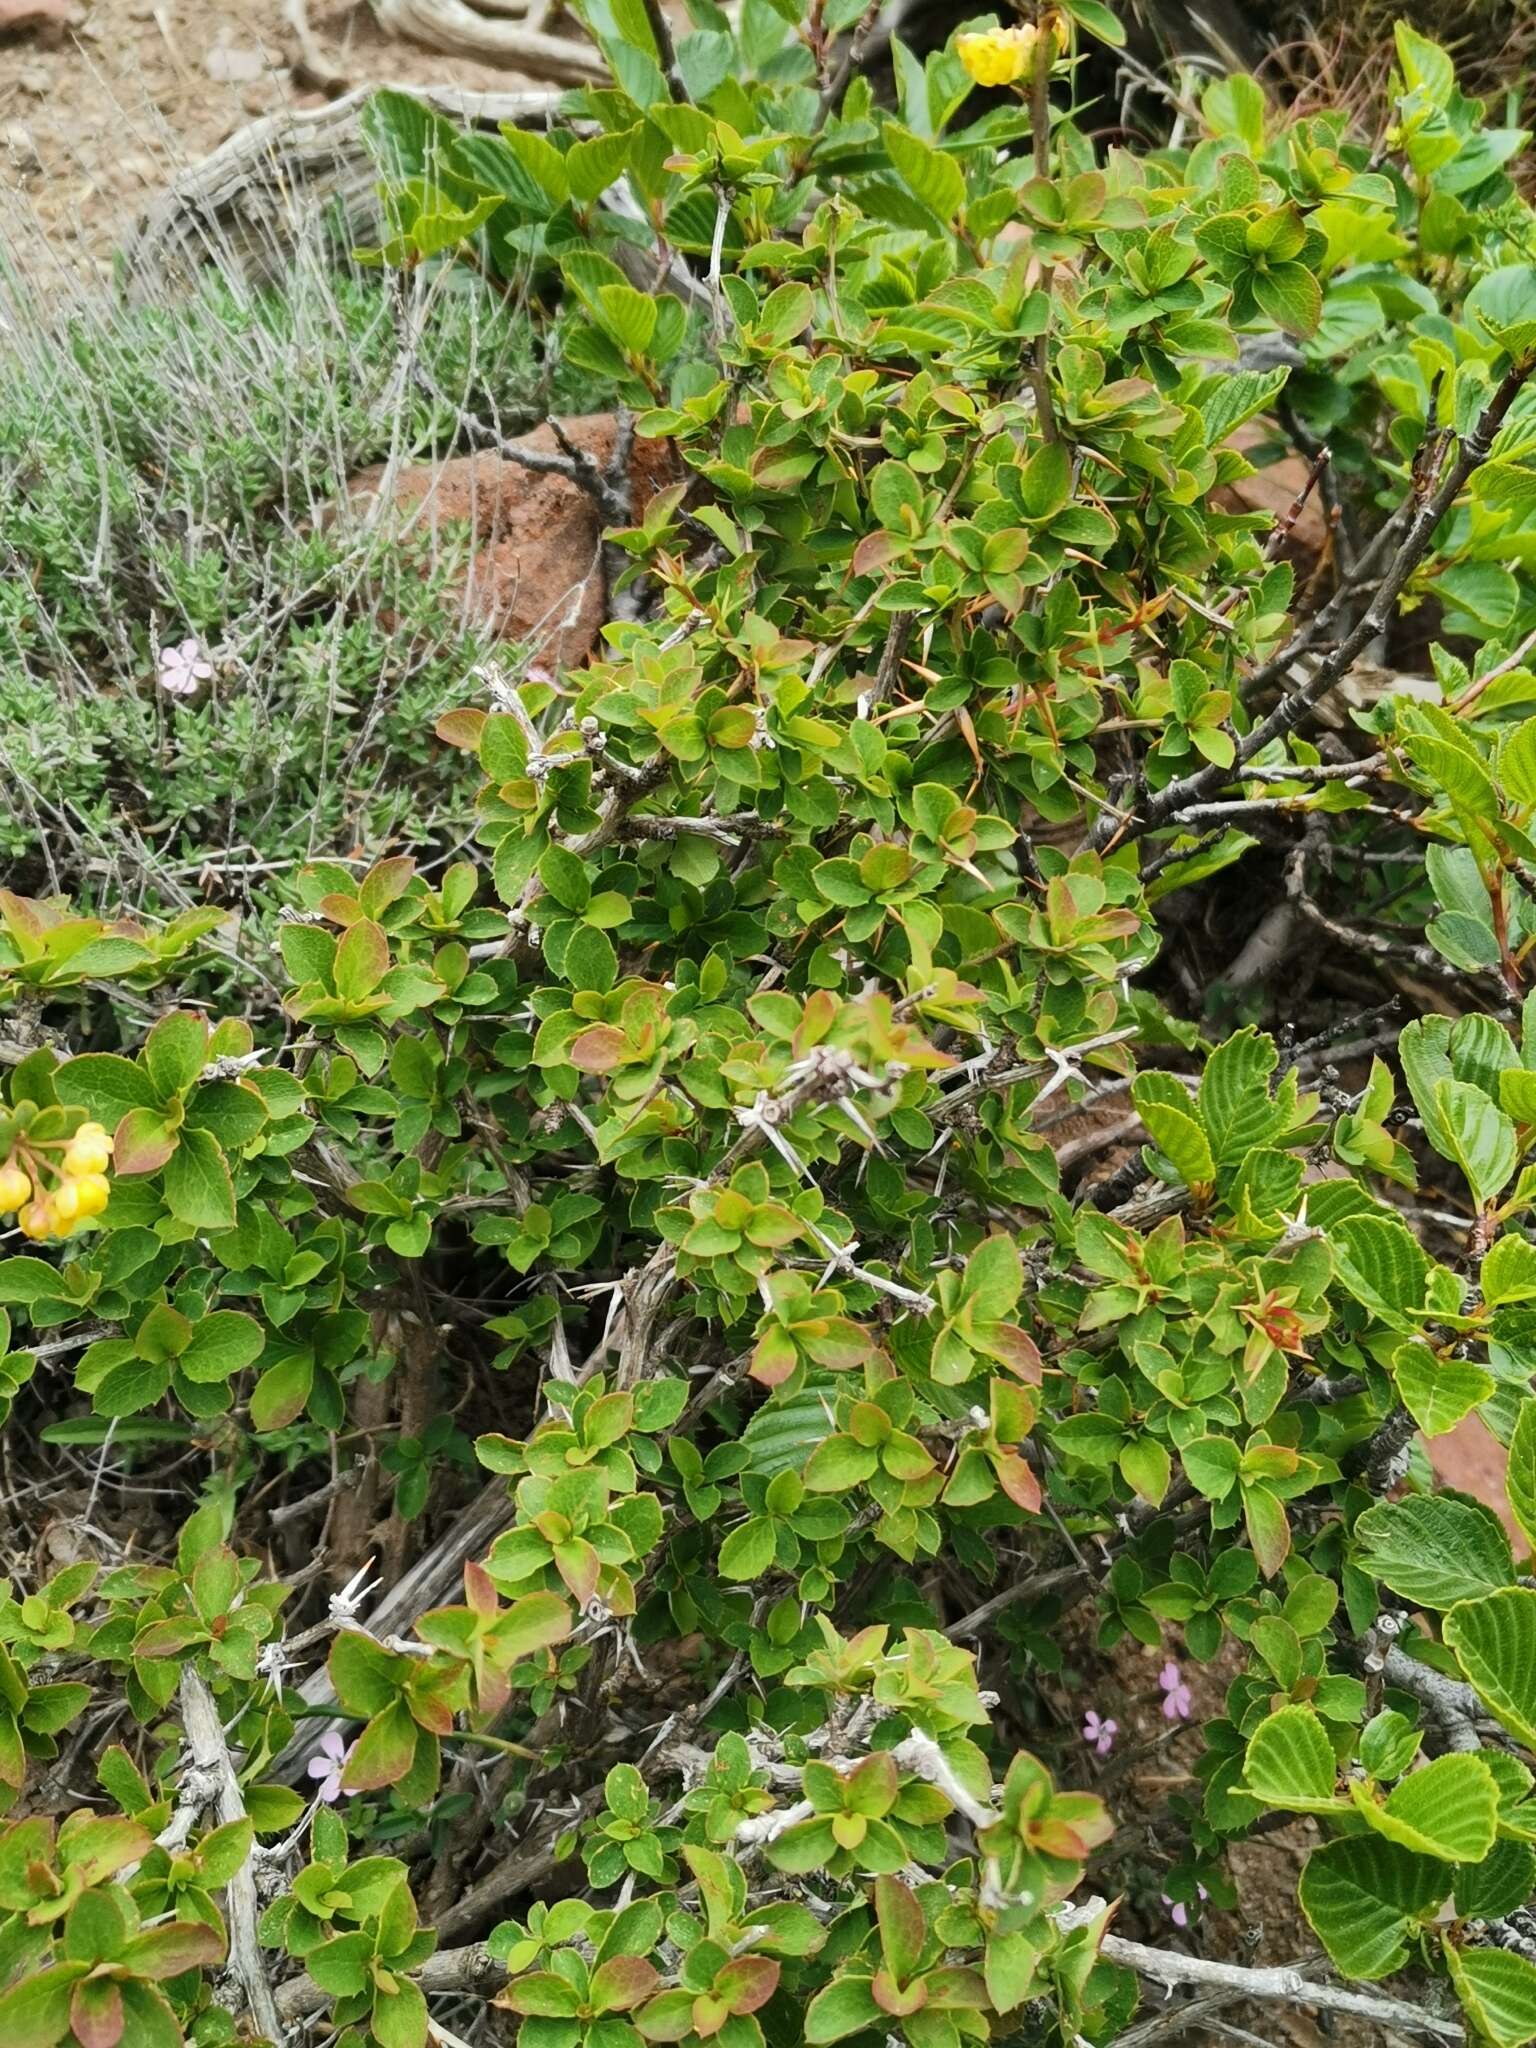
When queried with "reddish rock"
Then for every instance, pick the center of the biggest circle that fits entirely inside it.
(49, 17)
(1474, 1462)
(535, 573)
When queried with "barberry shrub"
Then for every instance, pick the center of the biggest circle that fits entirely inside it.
(811, 1153)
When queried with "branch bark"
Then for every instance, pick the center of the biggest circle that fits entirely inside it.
(211, 1762)
(1281, 1983)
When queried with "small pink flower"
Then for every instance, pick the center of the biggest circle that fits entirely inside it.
(1178, 1703)
(329, 1765)
(1099, 1735)
(1178, 1912)
(183, 668)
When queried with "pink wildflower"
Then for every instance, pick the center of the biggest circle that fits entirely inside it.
(1178, 1703)
(328, 1766)
(1178, 1912)
(183, 668)
(1099, 1734)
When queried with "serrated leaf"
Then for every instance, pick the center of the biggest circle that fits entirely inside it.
(932, 176)
(1495, 1644)
(1434, 1551)
(1235, 1105)
(1363, 1898)
(1480, 1138)
(1520, 1474)
(1439, 1392)
(1381, 1262)
(1498, 1990)
(1291, 1764)
(1448, 1809)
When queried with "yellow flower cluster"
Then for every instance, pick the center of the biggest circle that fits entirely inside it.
(998, 56)
(80, 1192)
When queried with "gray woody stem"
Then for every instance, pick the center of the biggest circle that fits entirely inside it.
(1282, 1983)
(209, 1760)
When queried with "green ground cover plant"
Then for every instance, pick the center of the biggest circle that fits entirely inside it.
(617, 1442)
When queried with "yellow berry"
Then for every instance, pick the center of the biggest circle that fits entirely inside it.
(15, 1188)
(65, 1201)
(35, 1220)
(91, 1192)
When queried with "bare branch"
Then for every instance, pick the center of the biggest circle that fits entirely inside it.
(1431, 508)
(1281, 1983)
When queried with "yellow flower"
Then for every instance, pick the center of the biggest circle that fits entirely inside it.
(15, 1189)
(998, 56)
(92, 1191)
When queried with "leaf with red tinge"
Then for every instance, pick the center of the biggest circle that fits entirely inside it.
(362, 960)
(1018, 1351)
(1018, 1482)
(168, 1951)
(747, 1982)
(143, 1142)
(383, 1753)
(598, 1049)
(578, 1564)
(461, 729)
(96, 2013)
(622, 1982)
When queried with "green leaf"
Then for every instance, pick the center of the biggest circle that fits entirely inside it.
(24, 1281)
(1381, 1262)
(175, 1052)
(1146, 1466)
(35, 2013)
(1433, 1551)
(1098, 19)
(1291, 296)
(1291, 1764)
(838, 1464)
(222, 1344)
(1495, 1644)
(1448, 1809)
(1480, 1137)
(1174, 1131)
(1211, 1464)
(107, 1085)
(198, 1189)
(590, 961)
(1235, 1105)
(1439, 1392)
(1364, 1897)
(1498, 1990)
(846, 2006)
(747, 1552)
(933, 177)
(1520, 1473)
(1503, 301)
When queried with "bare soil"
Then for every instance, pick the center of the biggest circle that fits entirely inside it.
(95, 118)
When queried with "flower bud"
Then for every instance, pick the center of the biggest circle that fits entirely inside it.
(15, 1189)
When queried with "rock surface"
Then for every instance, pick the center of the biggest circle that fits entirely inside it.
(535, 573)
